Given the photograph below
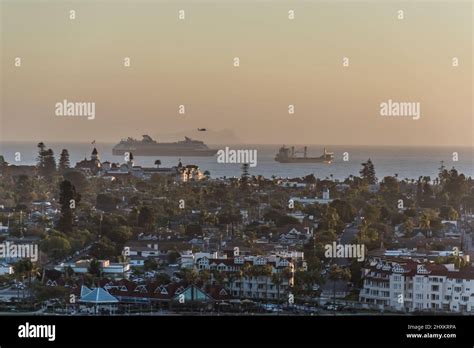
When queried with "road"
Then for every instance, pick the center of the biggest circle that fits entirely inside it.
(347, 237)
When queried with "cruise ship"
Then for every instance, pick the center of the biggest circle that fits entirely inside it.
(149, 147)
(287, 155)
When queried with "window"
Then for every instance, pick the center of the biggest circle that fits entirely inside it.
(434, 287)
(419, 296)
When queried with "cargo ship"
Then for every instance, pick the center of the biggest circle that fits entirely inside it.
(149, 147)
(289, 155)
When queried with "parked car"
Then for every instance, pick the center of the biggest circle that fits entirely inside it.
(332, 306)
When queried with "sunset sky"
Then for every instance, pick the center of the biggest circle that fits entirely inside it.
(282, 62)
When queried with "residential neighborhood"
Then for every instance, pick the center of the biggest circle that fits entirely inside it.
(173, 240)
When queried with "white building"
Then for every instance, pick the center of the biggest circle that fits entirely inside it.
(106, 267)
(325, 199)
(406, 284)
(188, 258)
(246, 277)
(6, 269)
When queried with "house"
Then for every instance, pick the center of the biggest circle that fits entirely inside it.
(450, 229)
(6, 269)
(294, 235)
(4, 230)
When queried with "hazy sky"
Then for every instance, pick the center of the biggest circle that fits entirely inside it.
(282, 62)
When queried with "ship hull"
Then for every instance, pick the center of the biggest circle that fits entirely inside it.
(303, 160)
(164, 152)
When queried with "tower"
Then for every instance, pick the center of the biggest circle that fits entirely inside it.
(95, 155)
(130, 160)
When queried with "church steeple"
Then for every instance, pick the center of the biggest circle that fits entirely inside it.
(95, 154)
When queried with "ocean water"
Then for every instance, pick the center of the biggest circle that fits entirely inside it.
(407, 162)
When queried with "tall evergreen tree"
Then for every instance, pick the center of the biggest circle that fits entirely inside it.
(64, 163)
(46, 163)
(68, 198)
(368, 172)
(146, 217)
(40, 158)
(49, 163)
(245, 173)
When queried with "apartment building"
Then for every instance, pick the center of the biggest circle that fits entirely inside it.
(409, 285)
(257, 277)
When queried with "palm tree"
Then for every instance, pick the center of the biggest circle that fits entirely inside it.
(247, 272)
(266, 272)
(453, 214)
(277, 280)
(425, 222)
(408, 226)
(24, 268)
(157, 163)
